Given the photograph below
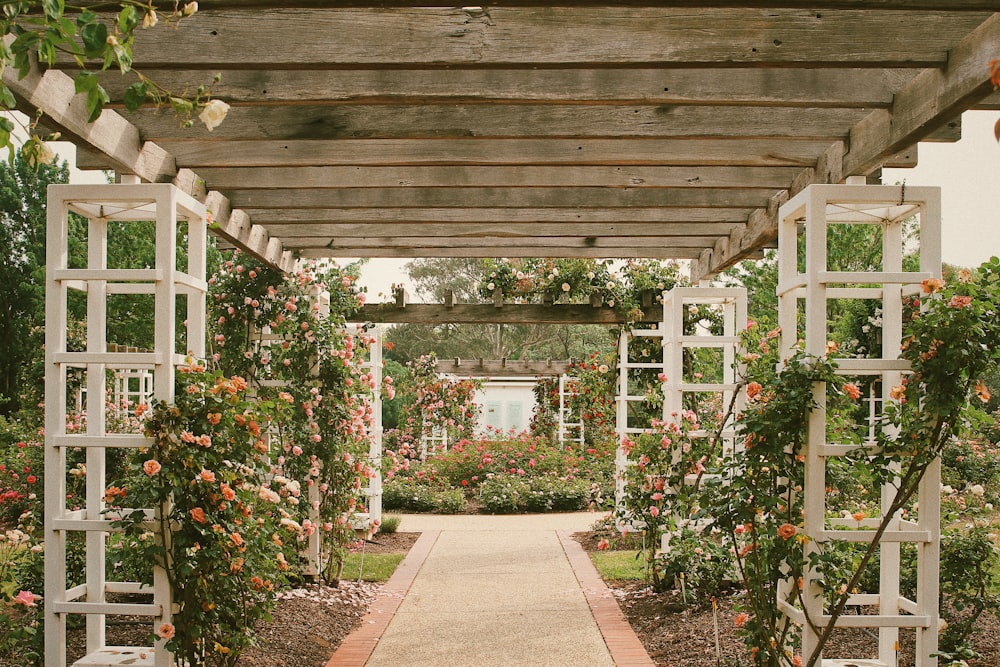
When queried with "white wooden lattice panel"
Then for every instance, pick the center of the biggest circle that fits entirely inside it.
(888, 207)
(100, 204)
(675, 338)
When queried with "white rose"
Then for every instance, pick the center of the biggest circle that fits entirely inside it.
(491, 286)
(565, 287)
(150, 19)
(213, 114)
(977, 490)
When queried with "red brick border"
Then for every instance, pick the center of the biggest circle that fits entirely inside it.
(358, 646)
(625, 647)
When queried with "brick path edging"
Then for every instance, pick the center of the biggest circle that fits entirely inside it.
(358, 646)
(625, 647)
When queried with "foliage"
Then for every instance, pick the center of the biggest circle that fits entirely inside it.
(390, 524)
(512, 493)
(432, 402)
(579, 280)
(407, 494)
(950, 343)
(43, 30)
(618, 565)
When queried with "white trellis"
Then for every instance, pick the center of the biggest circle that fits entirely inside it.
(567, 423)
(101, 204)
(717, 382)
(678, 336)
(435, 440)
(374, 366)
(804, 296)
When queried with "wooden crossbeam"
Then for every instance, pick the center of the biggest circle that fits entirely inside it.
(554, 36)
(812, 88)
(503, 367)
(511, 219)
(421, 313)
(450, 121)
(932, 99)
(517, 232)
(497, 176)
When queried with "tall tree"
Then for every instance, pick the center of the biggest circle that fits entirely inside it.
(22, 267)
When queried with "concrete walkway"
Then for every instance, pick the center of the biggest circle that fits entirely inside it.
(494, 590)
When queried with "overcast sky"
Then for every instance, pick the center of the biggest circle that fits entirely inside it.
(968, 172)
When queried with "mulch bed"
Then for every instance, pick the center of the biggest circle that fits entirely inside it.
(676, 634)
(308, 625)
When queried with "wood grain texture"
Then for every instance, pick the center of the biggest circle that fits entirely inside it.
(554, 36)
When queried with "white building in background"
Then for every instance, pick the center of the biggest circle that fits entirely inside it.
(506, 404)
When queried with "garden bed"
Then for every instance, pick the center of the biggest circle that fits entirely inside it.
(308, 625)
(676, 634)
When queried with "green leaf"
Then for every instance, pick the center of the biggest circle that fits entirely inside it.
(97, 97)
(83, 82)
(95, 39)
(54, 8)
(8, 102)
(135, 95)
(128, 19)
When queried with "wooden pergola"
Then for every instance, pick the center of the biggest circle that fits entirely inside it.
(669, 129)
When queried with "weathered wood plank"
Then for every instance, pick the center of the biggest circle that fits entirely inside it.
(931, 100)
(419, 152)
(510, 218)
(506, 120)
(236, 227)
(444, 250)
(463, 313)
(552, 35)
(503, 367)
(340, 245)
(908, 5)
(849, 87)
(497, 176)
(521, 231)
(499, 197)
(111, 134)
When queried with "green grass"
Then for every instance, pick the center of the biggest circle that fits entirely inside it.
(377, 567)
(618, 565)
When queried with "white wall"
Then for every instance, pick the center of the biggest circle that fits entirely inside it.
(506, 403)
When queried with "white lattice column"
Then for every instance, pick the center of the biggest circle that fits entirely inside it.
(809, 278)
(101, 205)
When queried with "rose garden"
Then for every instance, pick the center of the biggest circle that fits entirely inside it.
(204, 414)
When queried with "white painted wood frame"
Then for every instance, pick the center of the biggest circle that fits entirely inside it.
(100, 204)
(811, 212)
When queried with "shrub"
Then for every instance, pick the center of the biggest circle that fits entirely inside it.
(390, 524)
(405, 494)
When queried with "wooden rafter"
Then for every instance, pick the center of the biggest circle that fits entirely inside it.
(634, 128)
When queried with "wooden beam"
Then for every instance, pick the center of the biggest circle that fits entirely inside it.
(418, 152)
(499, 36)
(499, 197)
(236, 228)
(446, 250)
(463, 313)
(520, 231)
(497, 176)
(888, 5)
(812, 88)
(503, 367)
(454, 121)
(932, 99)
(343, 246)
(54, 93)
(511, 219)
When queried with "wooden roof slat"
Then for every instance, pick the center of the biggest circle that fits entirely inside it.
(500, 243)
(447, 121)
(818, 87)
(510, 218)
(506, 176)
(523, 231)
(647, 252)
(500, 197)
(555, 36)
(426, 152)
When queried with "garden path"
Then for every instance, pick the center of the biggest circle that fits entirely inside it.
(505, 590)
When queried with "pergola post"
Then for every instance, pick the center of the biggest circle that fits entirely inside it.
(101, 205)
(807, 278)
